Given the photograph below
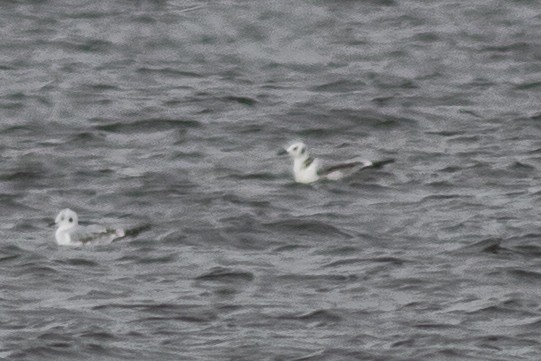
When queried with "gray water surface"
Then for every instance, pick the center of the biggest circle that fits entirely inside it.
(165, 117)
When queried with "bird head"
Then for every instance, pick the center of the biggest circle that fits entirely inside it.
(66, 219)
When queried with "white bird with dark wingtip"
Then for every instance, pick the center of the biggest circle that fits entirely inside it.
(70, 233)
(307, 169)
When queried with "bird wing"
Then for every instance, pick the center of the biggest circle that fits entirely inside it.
(338, 167)
(341, 170)
(94, 232)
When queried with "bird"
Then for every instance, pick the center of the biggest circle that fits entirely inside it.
(70, 233)
(307, 169)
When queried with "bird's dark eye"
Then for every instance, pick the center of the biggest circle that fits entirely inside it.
(71, 220)
(294, 148)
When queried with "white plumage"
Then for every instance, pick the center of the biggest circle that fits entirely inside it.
(70, 233)
(307, 169)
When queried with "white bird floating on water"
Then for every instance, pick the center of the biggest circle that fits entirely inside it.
(70, 233)
(307, 169)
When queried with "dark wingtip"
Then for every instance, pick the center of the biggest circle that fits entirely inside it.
(380, 163)
(132, 232)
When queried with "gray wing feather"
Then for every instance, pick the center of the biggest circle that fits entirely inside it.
(352, 165)
(334, 168)
(86, 234)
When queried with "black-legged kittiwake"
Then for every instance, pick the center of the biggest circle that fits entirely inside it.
(307, 169)
(70, 233)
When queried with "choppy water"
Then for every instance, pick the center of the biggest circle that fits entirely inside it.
(166, 116)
